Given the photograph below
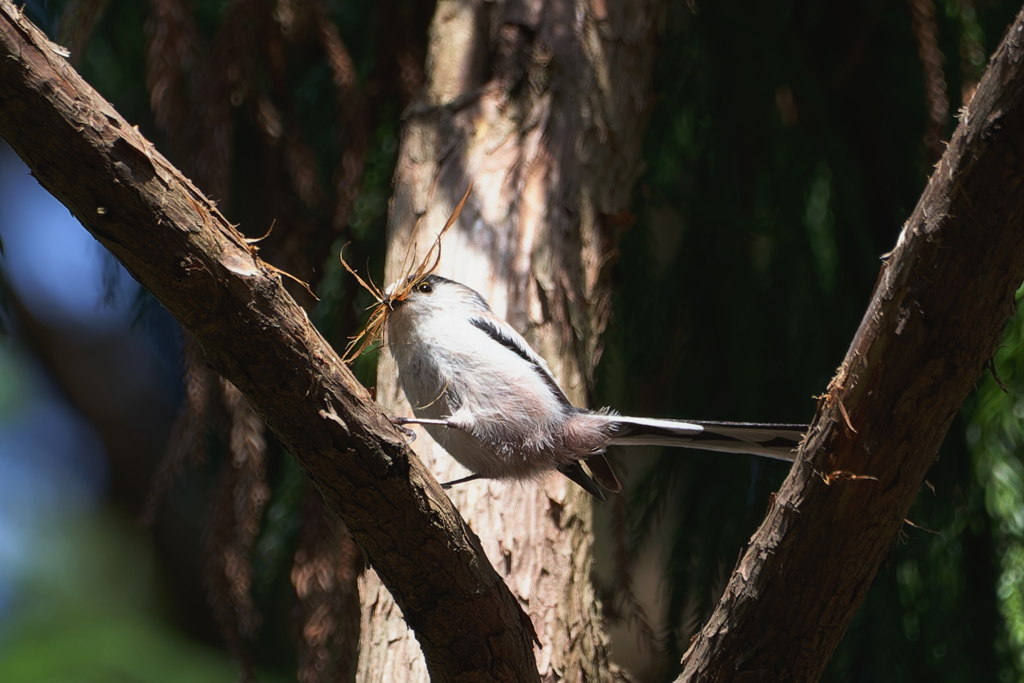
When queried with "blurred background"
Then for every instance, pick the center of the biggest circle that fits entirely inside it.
(788, 142)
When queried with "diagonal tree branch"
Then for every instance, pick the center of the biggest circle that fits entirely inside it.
(174, 242)
(940, 305)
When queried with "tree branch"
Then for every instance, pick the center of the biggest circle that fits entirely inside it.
(176, 244)
(938, 310)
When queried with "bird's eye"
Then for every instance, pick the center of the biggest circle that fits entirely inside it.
(424, 287)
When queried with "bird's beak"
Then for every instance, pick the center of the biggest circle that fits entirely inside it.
(390, 300)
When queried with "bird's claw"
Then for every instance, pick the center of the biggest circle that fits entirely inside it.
(398, 422)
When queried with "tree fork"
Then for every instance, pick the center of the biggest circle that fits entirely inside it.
(940, 306)
(173, 241)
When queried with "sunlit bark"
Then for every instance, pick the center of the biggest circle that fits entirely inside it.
(174, 242)
(541, 106)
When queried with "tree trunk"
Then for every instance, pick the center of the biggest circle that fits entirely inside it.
(172, 240)
(941, 303)
(541, 106)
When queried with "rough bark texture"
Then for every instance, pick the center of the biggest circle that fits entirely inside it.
(941, 304)
(942, 300)
(169, 236)
(542, 106)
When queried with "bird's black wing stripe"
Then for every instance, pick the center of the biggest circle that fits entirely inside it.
(513, 345)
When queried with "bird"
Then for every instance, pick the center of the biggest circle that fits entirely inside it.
(492, 403)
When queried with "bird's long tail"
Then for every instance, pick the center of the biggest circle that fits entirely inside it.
(778, 441)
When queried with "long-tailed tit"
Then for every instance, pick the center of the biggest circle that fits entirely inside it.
(493, 404)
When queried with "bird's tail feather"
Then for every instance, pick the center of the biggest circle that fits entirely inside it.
(779, 441)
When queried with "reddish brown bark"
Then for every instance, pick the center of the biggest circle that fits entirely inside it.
(940, 306)
(172, 239)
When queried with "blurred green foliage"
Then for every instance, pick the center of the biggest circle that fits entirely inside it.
(785, 150)
(90, 611)
(996, 440)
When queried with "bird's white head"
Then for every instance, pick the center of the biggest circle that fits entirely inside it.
(432, 300)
